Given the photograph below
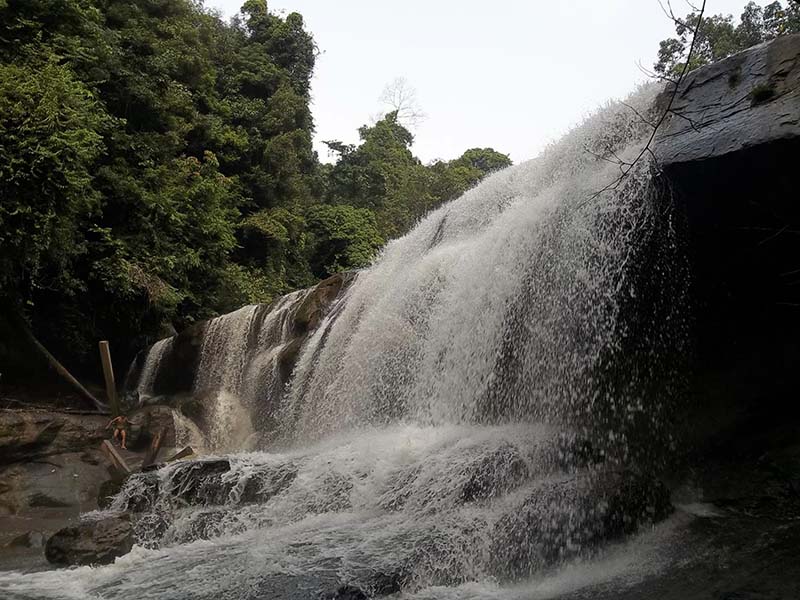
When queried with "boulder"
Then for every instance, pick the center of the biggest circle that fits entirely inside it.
(490, 472)
(30, 539)
(107, 491)
(96, 542)
(200, 482)
(316, 303)
(746, 100)
(266, 482)
(494, 474)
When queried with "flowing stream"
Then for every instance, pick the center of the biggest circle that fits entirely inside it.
(475, 416)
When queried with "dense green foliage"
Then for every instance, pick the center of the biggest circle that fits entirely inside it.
(156, 168)
(719, 37)
(382, 175)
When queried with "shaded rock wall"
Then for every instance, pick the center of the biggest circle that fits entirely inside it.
(730, 154)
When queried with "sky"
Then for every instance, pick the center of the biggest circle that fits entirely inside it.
(508, 74)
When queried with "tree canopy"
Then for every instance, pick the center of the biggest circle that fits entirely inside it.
(719, 36)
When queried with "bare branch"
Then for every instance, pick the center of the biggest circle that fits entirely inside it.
(402, 99)
(668, 110)
(638, 114)
(654, 75)
(691, 121)
(601, 157)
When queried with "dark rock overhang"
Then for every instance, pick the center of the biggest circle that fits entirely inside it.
(730, 151)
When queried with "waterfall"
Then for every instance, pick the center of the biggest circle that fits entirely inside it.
(509, 304)
(239, 370)
(224, 352)
(152, 363)
(480, 407)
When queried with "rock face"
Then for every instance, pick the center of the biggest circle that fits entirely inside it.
(744, 101)
(176, 374)
(91, 542)
(68, 482)
(31, 434)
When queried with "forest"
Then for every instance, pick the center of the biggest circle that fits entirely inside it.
(157, 168)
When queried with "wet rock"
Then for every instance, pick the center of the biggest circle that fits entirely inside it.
(315, 305)
(91, 542)
(108, 490)
(345, 592)
(176, 373)
(490, 473)
(494, 474)
(333, 494)
(267, 482)
(30, 539)
(568, 452)
(200, 482)
(26, 435)
(566, 516)
(743, 101)
(139, 492)
(65, 481)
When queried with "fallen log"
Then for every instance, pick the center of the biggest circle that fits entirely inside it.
(19, 323)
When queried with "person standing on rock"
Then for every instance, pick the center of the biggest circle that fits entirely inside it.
(120, 425)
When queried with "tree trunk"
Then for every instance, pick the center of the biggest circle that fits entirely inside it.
(19, 322)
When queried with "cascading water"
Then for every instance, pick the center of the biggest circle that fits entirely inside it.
(466, 416)
(151, 366)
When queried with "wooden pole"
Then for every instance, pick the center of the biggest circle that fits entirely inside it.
(108, 373)
(116, 458)
(182, 454)
(155, 446)
(17, 320)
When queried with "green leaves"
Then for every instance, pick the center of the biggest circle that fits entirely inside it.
(718, 36)
(342, 238)
(51, 129)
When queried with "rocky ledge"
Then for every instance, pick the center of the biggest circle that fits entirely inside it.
(744, 101)
(52, 471)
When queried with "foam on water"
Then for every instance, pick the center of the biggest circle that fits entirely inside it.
(345, 513)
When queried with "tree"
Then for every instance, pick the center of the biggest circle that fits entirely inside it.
(383, 175)
(156, 168)
(453, 178)
(401, 98)
(138, 139)
(718, 36)
(52, 131)
(341, 238)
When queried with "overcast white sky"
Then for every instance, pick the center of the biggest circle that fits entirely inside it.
(510, 74)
